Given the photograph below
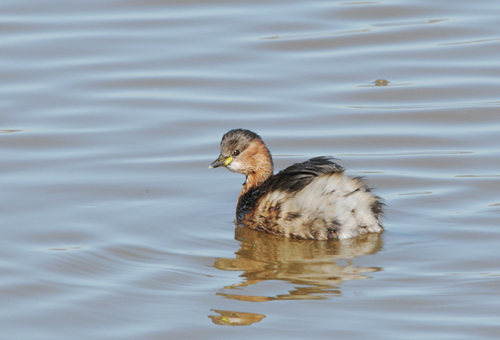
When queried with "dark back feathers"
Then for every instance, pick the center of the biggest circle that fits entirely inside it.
(292, 179)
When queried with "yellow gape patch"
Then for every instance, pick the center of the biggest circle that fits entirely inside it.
(228, 160)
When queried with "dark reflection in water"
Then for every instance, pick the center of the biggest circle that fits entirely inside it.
(314, 264)
(9, 131)
(229, 318)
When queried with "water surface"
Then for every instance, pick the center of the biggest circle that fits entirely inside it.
(114, 228)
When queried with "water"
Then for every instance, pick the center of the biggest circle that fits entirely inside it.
(114, 228)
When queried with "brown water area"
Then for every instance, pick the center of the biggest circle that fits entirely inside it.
(113, 227)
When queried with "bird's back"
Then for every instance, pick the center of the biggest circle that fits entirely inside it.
(311, 200)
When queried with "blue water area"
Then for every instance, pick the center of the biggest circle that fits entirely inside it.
(113, 227)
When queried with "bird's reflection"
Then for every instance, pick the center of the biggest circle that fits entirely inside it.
(230, 318)
(319, 267)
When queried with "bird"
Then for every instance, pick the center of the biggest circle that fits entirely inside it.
(312, 200)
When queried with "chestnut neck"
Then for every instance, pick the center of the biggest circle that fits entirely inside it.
(259, 165)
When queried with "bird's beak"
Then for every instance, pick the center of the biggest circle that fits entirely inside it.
(221, 161)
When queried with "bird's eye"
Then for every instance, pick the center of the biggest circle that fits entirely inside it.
(236, 152)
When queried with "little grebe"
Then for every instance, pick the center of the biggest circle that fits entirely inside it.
(309, 200)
